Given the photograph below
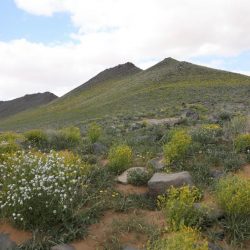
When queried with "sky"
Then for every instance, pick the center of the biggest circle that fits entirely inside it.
(56, 45)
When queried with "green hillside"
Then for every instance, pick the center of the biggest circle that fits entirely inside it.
(161, 90)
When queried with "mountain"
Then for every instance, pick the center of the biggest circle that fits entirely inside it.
(127, 91)
(8, 108)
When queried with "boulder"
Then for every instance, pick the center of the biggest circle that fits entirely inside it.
(160, 182)
(6, 243)
(123, 178)
(62, 247)
(157, 163)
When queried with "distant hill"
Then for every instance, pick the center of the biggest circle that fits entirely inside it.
(8, 108)
(126, 90)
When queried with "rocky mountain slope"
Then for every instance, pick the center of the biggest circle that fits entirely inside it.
(126, 90)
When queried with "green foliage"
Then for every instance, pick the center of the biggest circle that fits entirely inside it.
(6, 149)
(185, 239)
(94, 132)
(242, 143)
(232, 162)
(36, 138)
(178, 207)
(236, 126)
(177, 147)
(10, 136)
(120, 158)
(66, 138)
(40, 190)
(233, 196)
(207, 133)
(135, 225)
(138, 177)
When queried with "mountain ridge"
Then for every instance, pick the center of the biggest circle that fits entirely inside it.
(14, 106)
(126, 89)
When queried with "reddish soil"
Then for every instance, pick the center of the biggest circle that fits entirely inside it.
(15, 235)
(99, 232)
(130, 189)
(245, 172)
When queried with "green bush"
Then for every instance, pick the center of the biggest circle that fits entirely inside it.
(120, 157)
(232, 162)
(138, 177)
(6, 149)
(236, 126)
(207, 133)
(185, 239)
(179, 209)
(10, 136)
(66, 138)
(242, 143)
(41, 190)
(94, 132)
(233, 196)
(177, 147)
(36, 138)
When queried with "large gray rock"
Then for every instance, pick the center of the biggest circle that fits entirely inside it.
(6, 243)
(123, 178)
(157, 163)
(62, 247)
(160, 182)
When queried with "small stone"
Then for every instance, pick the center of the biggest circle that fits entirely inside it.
(99, 148)
(157, 163)
(123, 178)
(62, 247)
(129, 248)
(193, 115)
(6, 243)
(160, 182)
(212, 246)
(216, 174)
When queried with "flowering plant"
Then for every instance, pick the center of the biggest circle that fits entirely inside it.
(40, 190)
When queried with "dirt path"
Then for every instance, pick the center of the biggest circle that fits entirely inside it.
(98, 232)
(245, 172)
(15, 235)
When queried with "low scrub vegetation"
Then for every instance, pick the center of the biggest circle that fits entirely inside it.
(120, 158)
(177, 147)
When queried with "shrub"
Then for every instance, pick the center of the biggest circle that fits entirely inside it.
(225, 116)
(40, 190)
(6, 149)
(36, 138)
(233, 196)
(9, 137)
(236, 126)
(207, 133)
(242, 143)
(178, 207)
(177, 147)
(185, 239)
(66, 138)
(138, 177)
(232, 162)
(94, 132)
(120, 158)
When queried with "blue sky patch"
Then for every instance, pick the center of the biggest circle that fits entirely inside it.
(16, 24)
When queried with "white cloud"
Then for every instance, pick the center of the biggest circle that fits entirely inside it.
(116, 31)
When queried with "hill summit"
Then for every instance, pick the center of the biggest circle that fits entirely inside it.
(8, 108)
